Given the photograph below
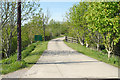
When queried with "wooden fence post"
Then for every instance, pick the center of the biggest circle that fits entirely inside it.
(72, 39)
(66, 38)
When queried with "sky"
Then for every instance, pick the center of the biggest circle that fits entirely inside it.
(57, 10)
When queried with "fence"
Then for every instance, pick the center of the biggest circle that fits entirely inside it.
(71, 39)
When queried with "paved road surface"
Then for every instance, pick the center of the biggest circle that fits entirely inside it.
(60, 61)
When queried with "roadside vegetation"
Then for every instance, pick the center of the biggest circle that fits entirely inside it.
(96, 25)
(35, 18)
(37, 25)
(114, 60)
(30, 55)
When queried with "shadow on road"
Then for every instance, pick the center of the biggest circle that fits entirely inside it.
(64, 62)
(57, 40)
(60, 57)
(60, 52)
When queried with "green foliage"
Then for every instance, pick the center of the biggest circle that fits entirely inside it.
(105, 19)
(9, 27)
(95, 23)
(77, 21)
(29, 31)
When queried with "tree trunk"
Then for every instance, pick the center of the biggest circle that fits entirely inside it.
(109, 54)
(31, 41)
(98, 47)
(98, 42)
(81, 42)
(10, 43)
(87, 45)
(109, 47)
(3, 56)
(44, 27)
(8, 48)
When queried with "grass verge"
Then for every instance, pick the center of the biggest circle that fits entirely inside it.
(29, 56)
(114, 60)
(35, 54)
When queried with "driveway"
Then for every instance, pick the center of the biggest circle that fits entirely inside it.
(60, 61)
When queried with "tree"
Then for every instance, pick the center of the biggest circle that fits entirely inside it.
(105, 19)
(77, 20)
(9, 21)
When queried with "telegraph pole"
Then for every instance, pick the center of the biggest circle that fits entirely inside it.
(19, 30)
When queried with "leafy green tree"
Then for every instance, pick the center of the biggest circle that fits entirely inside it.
(9, 20)
(104, 18)
(78, 21)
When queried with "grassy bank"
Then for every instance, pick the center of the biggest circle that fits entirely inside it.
(35, 54)
(94, 54)
(29, 56)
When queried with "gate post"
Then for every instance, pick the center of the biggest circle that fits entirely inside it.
(72, 39)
